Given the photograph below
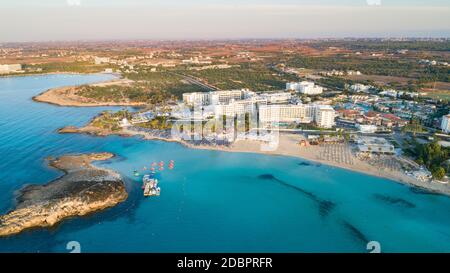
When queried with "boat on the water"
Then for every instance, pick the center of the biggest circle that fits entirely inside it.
(150, 186)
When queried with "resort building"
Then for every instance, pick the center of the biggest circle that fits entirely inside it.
(275, 98)
(304, 87)
(367, 128)
(322, 115)
(360, 88)
(376, 145)
(271, 107)
(389, 93)
(285, 113)
(224, 97)
(216, 97)
(10, 68)
(124, 123)
(445, 124)
(240, 107)
(142, 117)
(197, 98)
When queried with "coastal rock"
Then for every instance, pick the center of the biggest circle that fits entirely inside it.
(92, 130)
(68, 130)
(82, 190)
(89, 130)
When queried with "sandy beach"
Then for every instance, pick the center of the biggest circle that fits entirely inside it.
(337, 155)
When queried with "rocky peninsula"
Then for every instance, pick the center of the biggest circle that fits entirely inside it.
(83, 189)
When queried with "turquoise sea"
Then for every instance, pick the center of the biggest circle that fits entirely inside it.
(212, 201)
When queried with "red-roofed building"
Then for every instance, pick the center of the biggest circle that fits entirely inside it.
(348, 113)
(390, 120)
(373, 118)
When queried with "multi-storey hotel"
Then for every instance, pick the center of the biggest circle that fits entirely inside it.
(445, 124)
(322, 115)
(197, 98)
(304, 87)
(216, 97)
(271, 107)
(240, 107)
(285, 113)
(282, 97)
(225, 97)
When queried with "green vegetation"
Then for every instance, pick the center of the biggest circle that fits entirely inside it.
(76, 67)
(109, 120)
(439, 95)
(366, 44)
(433, 156)
(335, 83)
(374, 66)
(120, 94)
(154, 88)
(158, 123)
(165, 81)
(256, 77)
(414, 126)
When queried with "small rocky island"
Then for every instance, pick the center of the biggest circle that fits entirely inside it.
(82, 190)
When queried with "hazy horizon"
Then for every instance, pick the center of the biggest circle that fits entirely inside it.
(99, 20)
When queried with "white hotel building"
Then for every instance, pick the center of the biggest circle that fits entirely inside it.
(240, 107)
(272, 107)
(304, 87)
(282, 97)
(285, 113)
(322, 115)
(197, 98)
(216, 97)
(445, 124)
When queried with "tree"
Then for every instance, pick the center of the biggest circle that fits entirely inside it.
(347, 137)
(247, 122)
(439, 173)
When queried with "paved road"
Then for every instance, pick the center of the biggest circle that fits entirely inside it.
(197, 82)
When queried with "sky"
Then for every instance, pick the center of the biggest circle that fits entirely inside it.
(61, 20)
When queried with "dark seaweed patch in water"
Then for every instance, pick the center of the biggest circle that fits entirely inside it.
(273, 178)
(127, 144)
(325, 206)
(422, 191)
(267, 177)
(395, 201)
(309, 164)
(356, 232)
